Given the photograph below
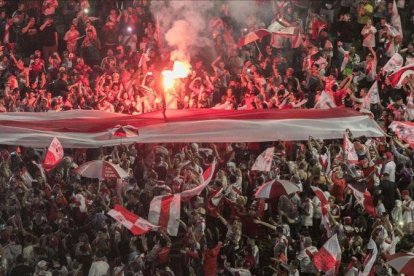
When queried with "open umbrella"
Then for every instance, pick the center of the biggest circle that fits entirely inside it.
(402, 262)
(124, 131)
(101, 170)
(276, 188)
(252, 37)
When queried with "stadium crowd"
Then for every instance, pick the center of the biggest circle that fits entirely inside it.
(109, 55)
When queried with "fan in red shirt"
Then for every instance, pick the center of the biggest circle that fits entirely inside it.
(210, 260)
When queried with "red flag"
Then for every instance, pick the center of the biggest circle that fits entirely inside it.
(365, 200)
(54, 155)
(397, 77)
(329, 255)
(165, 212)
(264, 160)
(207, 176)
(134, 223)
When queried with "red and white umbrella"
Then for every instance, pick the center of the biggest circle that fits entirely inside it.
(124, 131)
(402, 262)
(252, 37)
(276, 188)
(101, 169)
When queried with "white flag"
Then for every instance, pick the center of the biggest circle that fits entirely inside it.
(370, 259)
(264, 160)
(372, 97)
(394, 63)
(349, 150)
(396, 19)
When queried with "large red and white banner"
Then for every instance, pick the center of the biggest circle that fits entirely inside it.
(92, 129)
(328, 257)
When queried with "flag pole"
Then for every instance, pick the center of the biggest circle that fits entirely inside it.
(258, 48)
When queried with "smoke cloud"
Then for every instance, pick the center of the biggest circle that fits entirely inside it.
(184, 26)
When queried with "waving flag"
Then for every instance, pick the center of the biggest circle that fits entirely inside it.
(396, 79)
(365, 200)
(324, 208)
(370, 259)
(349, 150)
(54, 155)
(132, 222)
(372, 97)
(207, 176)
(214, 202)
(329, 255)
(264, 160)
(394, 63)
(325, 101)
(165, 212)
(396, 19)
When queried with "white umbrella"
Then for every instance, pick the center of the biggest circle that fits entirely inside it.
(101, 170)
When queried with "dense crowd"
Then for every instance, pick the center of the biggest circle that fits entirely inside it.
(109, 55)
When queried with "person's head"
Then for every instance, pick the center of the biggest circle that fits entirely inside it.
(369, 22)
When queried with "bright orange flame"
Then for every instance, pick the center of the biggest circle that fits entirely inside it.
(180, 70)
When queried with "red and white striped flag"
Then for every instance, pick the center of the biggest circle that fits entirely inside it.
(132, 222)
(264, 160)
(349, 150)
(324, 208)
(365, 200)
(214, 202)
(207, 176)
(398, 77)
(328, 257)
(54, 155)
(165, 212)
(370, 259)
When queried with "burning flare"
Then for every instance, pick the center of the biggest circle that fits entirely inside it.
(180, 70)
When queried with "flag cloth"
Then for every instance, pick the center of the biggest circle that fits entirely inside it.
(324, 208)
(54, 155)
(165, 212)
(214, 202)
(132, 222)
(396, 19)
(207, 176)
(349, 150)
(398, 77)
(372, 97)
(325, 101)
(264, 160)
(329, 255)
(365, 200)
(370, 259)
(394, 63)
(404, 131)
(91, 128)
